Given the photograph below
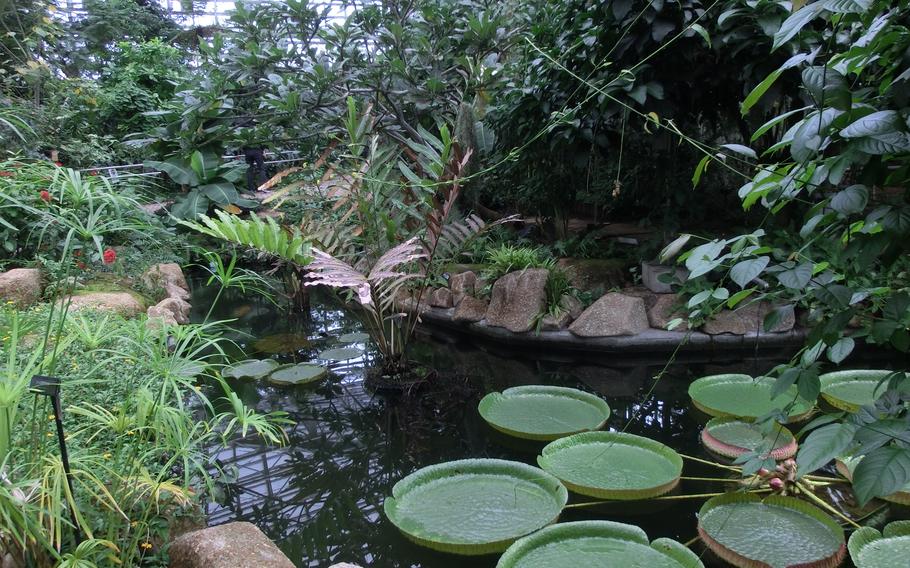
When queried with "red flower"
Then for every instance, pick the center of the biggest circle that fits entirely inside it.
(77, 253)
(93, 172)
(7, 174)
(80, 265)
(109, 256)
(45, 196)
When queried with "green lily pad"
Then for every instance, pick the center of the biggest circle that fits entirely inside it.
(354, 337)
(596, 543)
(539, 412)
(299, 374)
(612, 465)
(741, 396)
(250, 369)
(476, 506)
(870, 548)
(340, 354)
(845, 466)
(849, 390)
(733, 437)
(282, 343)
(777, 532)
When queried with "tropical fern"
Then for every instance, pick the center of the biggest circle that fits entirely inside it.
(266, 236)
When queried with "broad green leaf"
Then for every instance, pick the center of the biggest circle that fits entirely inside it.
(703, 258)
(827, 86)
(774, 122)
(823, 445)
(740, 149)
(881, 122)
(674, 247)
(850, 200)
(796, 22)
(880, 144)
(223, 192)
(796, 278)
(881, 472)
(205, 165)
(744, 272)
(847, 6)
(191, 206)
(178, 170)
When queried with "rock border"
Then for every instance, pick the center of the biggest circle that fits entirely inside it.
(649, 341)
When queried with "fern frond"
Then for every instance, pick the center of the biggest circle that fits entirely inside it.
(268, 237)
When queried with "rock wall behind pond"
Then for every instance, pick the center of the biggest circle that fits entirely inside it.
(625, 318)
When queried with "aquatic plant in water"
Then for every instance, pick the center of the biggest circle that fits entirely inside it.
(539, 412)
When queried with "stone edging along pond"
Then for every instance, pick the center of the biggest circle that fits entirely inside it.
(632, 321)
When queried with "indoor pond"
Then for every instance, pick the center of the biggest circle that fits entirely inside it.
(321, 496)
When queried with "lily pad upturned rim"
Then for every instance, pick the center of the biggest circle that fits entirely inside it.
(662, 451)
(845, 466)
(564, 533)
(792, 503)
(801, 409)
(830, 382)
(895, 535)
(487, 403)
(354, 337)
(318, 373)
(340, 354)
(474, 468)
(234, 371)
(729, 450)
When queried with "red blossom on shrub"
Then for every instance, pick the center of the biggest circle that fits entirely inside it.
(7, 174)
(109, 256)
(45, 196)
(58, 164)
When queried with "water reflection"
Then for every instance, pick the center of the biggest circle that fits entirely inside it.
(321, 496)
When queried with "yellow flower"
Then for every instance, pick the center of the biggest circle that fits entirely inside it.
(107, 456)
(50, 416)
(145, 545)
(130, 433)
(134, 523)
(10, 302)
(50, 434)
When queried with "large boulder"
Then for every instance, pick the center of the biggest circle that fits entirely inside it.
(441, 298)
(167, 276)
(613, 314)
(22, 286)
(233, 545)
(462, 284)
(747, 319)
(571, 305)
(172, 310)
(517, 299)
(470, 309)
(664, 308)
(123, 303)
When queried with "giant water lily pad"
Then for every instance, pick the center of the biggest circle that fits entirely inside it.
(849, 390)
(733, 437)
(538, 412)
(476, 506)
(282, 343)
(250, 369)
(777, 532)
(340, 354)
(354, 337)
(612, 465)
(870, 548)
(741, 396)
(596, 543)
(847, 464)
(299, 374)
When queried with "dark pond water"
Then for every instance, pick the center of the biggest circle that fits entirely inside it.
(320, 497)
